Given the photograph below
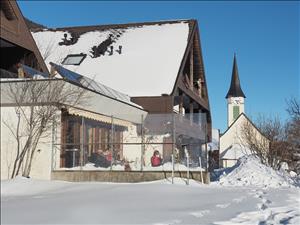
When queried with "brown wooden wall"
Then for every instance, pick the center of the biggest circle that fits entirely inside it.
(14, 30)
(159, 104)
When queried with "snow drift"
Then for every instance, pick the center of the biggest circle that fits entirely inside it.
(249, 171)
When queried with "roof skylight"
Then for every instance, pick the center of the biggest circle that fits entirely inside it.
(74, 59)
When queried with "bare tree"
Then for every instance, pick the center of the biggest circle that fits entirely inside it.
(293, 134)
(284, 137)
(293, 107)
(268, 142)
(36, 103)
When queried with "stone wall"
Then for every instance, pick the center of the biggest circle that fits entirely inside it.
(123, 176)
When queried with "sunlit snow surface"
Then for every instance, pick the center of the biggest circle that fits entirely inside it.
(250, 172)
(29, 201)
(149, 63)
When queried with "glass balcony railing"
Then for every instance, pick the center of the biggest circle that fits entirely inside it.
(159, 142)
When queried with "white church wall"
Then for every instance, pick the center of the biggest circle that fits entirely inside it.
(234, 137)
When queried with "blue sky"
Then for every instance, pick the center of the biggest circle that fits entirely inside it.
(264, 35)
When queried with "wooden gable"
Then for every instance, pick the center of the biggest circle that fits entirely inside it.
(14, 33)
(190, 86)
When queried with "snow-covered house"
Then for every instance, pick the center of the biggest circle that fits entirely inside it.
(158, 64)
(20, 62)
(232, 141)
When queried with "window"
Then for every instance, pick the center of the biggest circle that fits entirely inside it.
(236, 112)
(74, 59)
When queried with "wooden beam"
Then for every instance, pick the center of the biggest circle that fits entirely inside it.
(192, 68)
(191, 111)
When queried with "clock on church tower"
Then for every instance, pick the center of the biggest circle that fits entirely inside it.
(235, 96)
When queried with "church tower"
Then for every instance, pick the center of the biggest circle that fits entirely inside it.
(235, 96)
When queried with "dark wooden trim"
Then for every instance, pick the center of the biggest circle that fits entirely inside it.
(16, 31)
(155, 104)
(185, 56)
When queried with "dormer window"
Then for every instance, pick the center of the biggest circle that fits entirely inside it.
(74, 59)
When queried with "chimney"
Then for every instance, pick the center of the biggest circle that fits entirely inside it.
(120, 49)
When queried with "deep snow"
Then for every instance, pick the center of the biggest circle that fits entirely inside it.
(230, 201)
(250, 172)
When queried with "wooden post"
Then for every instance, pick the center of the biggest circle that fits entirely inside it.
(192, 69)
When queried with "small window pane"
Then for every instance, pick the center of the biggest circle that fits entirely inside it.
(236, 112)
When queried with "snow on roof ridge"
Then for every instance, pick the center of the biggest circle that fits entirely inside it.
(117, 25)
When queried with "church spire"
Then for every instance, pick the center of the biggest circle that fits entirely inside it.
(235, 89)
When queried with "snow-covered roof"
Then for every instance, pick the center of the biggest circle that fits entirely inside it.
(150, 57)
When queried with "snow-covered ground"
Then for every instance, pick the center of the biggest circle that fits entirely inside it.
(28, 201)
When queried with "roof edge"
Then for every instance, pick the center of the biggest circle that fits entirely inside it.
(117, 25)
(247, 118)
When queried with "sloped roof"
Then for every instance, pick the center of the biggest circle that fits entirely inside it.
(242, 115)
(235, 89)
(93, 85)
(147, 66)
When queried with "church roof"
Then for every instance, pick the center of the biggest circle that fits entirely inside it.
(138, 59)
(235, 89)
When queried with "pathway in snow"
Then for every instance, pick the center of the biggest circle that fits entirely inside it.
(267, 213)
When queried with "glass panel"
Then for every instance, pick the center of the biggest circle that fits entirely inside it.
(158, 142)
(73, 60)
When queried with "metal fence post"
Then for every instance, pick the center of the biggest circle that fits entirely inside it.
(206, 155)
(52, 147)
(201, 173)
(173, 147)
(187, 164)
(112, 142)
(143, 143)
(188, 168)
(82, 143)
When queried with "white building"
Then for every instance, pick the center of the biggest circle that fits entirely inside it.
(88, 120)
(232, 142)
